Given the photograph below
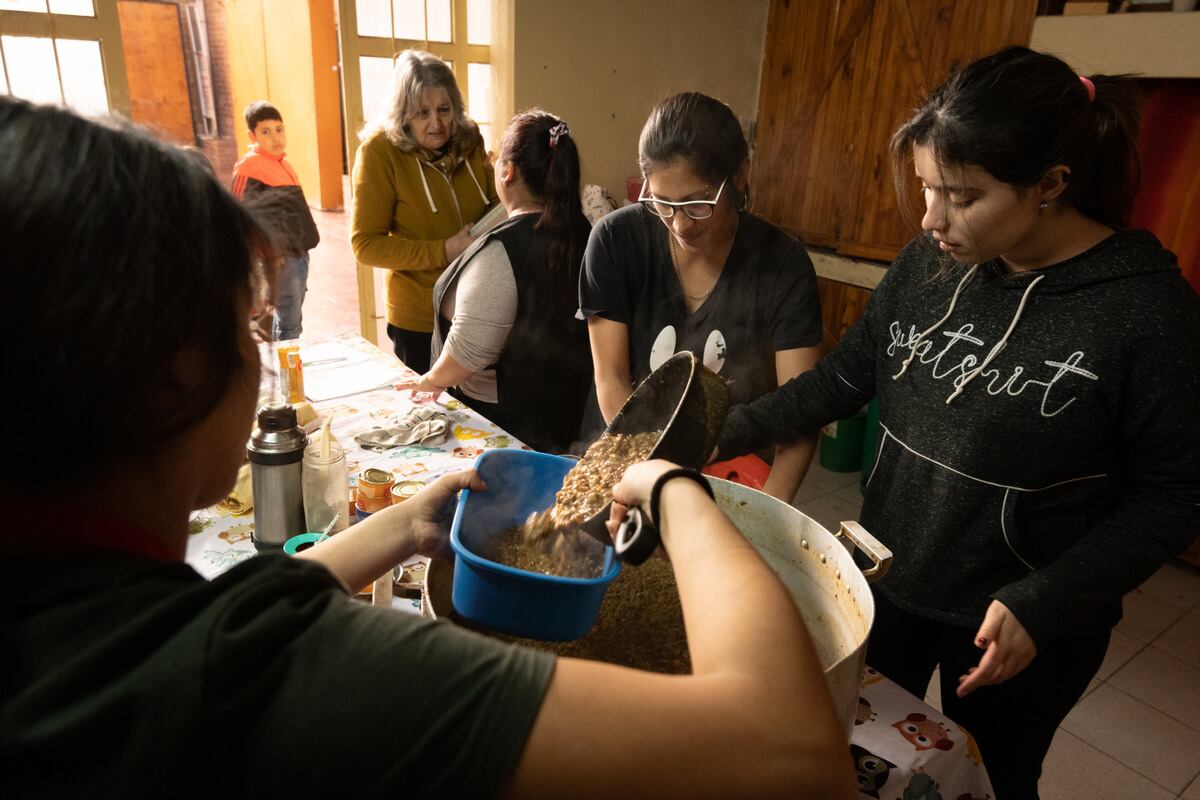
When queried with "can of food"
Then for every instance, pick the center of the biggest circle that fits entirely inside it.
(403, 490)
(371, 504)
(375, 484)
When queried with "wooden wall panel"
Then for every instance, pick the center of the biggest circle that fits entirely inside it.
(838, 78)
(804, 63)
(285, 52)
(247, 63)
(841, 306)
(158, 89)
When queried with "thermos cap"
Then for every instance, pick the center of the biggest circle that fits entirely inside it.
(277, 439)
(277, 417)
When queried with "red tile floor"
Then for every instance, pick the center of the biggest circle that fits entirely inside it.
(331, 305)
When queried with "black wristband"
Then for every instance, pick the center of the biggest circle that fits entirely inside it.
(656, 492)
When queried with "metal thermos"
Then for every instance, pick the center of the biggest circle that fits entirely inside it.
(276, 451)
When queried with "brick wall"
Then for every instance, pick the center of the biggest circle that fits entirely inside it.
(220, 148)
(221, 151)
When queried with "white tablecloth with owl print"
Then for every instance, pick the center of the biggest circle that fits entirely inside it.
(903, 749)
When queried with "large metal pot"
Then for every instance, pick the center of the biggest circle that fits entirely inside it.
(814, 564)
(819, 571)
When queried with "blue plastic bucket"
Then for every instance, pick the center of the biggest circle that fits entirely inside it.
(504, 598)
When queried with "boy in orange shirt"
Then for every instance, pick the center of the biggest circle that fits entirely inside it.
(266, 179)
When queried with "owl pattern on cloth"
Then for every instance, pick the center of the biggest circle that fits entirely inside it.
(870, 770)
(924, 733)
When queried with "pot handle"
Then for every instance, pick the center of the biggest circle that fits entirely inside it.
(881, 557)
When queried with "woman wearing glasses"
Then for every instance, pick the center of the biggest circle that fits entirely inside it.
(688, 268)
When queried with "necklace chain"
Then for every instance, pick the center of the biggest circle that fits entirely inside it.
(679, 276)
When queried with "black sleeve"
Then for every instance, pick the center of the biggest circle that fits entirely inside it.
(840, 384)
(796, 319)
(310, 237)
(603, 281)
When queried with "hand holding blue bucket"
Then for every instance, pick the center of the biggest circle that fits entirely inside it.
(504, 598)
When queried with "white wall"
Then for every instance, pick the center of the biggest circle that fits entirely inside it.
(602, 65)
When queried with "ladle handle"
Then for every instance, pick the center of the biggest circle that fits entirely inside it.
(637, 538)
(881, 556)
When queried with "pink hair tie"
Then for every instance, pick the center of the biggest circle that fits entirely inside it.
(1091, 88)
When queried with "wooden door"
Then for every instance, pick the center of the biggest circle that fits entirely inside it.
(838, 79)
(158, 88)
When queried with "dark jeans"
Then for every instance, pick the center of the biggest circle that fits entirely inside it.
(1012, 722)
(411, 347)
(291, 285)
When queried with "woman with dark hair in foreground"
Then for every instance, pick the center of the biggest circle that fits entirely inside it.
(127, 282)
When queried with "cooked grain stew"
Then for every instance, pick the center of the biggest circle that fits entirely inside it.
(535, 548)
(551, 542)
(587, 489)
(640, 624)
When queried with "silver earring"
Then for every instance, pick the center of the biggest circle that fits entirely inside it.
(1042, 206)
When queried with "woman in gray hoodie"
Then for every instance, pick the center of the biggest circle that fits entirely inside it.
(1037, 366)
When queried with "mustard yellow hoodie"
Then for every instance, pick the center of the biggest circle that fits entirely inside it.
(406, 205)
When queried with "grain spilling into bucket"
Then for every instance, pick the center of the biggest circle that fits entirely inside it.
(551, 541)
(587, 489)
(569, 553)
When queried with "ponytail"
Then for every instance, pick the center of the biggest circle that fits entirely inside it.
(1017, 113)
(562, 215)
(1108, 169)
(543, 150)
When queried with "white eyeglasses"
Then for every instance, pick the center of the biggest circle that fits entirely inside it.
(694, 209)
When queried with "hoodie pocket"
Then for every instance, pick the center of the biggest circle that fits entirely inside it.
(1041, 525)
(947, 529)
(873, 465)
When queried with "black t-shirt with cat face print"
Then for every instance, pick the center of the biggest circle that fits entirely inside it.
(765, 300)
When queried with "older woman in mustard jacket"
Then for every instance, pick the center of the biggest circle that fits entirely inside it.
(421, 179)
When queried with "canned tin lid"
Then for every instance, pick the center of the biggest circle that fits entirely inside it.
(406, 489)
(376, 476)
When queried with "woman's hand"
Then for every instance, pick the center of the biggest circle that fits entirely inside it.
(422, 385)
(634, 490)
(1009, 649)
(431, 510)
(458, 242)
(418, 526)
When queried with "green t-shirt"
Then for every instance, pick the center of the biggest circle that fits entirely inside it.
(125, 676)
